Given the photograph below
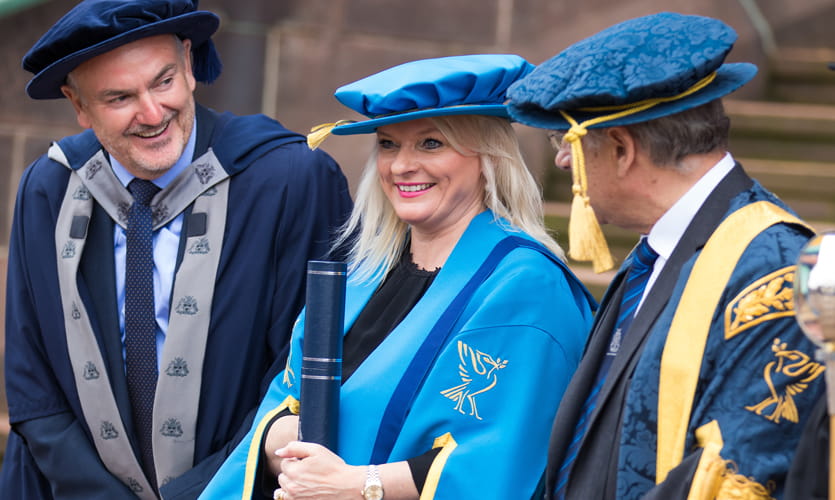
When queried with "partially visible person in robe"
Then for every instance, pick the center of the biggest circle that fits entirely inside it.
(808, 477)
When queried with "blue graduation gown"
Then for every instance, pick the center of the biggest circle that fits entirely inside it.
(513, 350)
(284, 204)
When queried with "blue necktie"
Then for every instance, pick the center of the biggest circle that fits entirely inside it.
(140, 318)
(643, 259)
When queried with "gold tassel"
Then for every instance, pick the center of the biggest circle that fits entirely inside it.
(708, 480)
(738, 487)
(319, 133)
(585, 238)
(717, 478)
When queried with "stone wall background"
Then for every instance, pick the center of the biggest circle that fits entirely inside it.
(285, 58)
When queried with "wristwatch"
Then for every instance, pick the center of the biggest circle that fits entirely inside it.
(373, 489)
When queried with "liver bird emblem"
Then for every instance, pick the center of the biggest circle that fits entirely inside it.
(794, 365)
(478, 375)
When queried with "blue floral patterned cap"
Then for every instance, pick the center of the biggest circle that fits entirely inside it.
(673, 58)
(94, 27)
(469, 84)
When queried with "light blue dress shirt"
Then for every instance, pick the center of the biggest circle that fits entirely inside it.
(166, 244)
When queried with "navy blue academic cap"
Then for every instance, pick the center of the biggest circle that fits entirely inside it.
(456, 85)
(658, 56)
(94, 27)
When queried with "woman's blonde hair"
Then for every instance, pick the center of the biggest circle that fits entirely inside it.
(377, 236)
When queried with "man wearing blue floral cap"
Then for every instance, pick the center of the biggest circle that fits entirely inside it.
(696, 380)
(156, 263)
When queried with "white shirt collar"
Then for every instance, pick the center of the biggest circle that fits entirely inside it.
(667, 231)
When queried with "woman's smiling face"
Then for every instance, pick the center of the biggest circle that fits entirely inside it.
(431, 186)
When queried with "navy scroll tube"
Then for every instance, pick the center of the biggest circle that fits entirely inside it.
(322, 353)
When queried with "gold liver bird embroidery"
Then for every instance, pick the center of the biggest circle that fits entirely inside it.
(478, 375)
(795, 365)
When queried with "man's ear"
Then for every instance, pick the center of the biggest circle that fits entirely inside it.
(189, 64)
(75, 99)
(625, 149)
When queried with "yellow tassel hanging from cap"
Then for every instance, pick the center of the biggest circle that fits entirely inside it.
(585, 238)
(319, 133)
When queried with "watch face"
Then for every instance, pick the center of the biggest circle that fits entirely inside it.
(373, 492)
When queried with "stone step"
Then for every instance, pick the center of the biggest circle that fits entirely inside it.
(802, 75)
(808, 187)
(784, 131)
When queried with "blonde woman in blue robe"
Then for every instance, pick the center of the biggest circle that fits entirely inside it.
(447, 235)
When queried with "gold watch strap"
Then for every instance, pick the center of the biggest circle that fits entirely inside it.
(373, 489)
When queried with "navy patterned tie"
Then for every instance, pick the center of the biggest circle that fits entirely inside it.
(643, 259)
(140, 318)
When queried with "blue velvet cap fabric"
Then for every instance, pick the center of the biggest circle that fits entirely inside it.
(457, 85)
(94, 27)
(660, 55)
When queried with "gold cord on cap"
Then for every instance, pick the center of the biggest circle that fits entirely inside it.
(319, 133)
(586, 240)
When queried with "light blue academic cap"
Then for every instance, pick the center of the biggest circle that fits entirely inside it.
(457, 85)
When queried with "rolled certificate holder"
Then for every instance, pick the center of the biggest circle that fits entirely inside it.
(322, 353)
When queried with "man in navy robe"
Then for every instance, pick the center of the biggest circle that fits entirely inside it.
(236, 206)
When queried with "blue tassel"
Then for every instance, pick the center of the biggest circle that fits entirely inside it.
(206, 62)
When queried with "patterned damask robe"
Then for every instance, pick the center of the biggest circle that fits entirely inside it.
(758, 379)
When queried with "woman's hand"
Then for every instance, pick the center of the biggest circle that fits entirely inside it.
(311, 471)
(283, 431)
